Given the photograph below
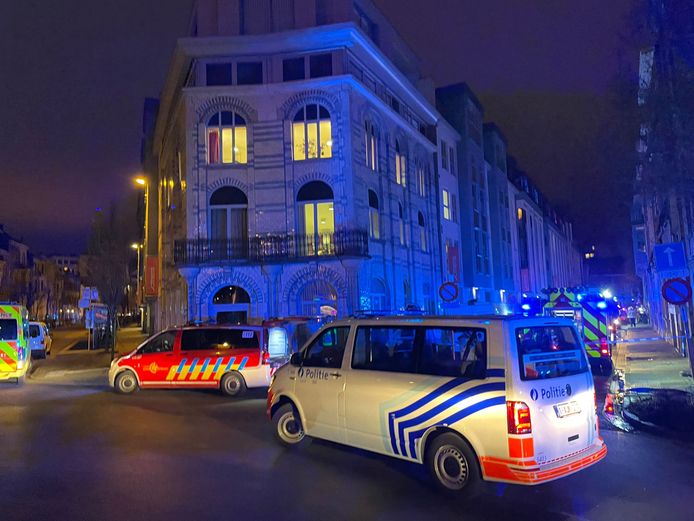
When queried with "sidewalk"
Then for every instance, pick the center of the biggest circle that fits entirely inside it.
(651, 364)
(70, 365)
(128, 338)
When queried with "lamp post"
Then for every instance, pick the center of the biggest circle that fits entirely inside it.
(138, 247)
(142, 182)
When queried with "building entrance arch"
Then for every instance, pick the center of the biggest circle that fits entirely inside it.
(317, 298)
(230, 305)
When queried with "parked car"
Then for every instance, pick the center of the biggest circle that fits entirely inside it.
(40, 340)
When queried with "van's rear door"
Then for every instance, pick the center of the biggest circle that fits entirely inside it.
(557, 385)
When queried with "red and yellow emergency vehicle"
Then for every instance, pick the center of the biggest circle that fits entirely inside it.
(15, 357)
(230, 358)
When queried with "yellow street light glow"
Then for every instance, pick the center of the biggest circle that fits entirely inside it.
(135, 246)
(141, 181)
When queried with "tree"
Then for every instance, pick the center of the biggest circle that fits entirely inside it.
(109, 254)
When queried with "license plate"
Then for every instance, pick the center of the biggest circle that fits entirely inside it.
(567, 409)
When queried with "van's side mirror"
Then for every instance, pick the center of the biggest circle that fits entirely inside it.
(295, 359)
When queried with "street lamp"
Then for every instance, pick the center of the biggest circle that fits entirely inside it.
(138, 247)
(142, 182)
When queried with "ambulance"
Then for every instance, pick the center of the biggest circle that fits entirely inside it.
(15, 357)
(506, 399)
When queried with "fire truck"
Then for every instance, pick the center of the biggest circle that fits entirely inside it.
(591, 312)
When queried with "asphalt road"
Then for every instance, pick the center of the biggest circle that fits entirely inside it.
(80, 452)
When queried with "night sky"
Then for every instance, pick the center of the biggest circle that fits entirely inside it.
(76, 72)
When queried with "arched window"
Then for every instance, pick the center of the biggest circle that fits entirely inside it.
(378, 295)
(400, 164)
(227, 140)
(317, 220)
(371, 145)
(229, 222)
(312, 133)
(401, 224)
(317, 298)
(374, 225)
(422, 232)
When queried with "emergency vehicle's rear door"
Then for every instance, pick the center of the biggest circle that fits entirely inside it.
(555, 375)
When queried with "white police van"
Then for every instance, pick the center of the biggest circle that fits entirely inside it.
(495, 398)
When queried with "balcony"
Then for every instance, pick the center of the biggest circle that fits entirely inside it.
(272, 248)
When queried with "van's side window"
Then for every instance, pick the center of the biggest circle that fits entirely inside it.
(327, 350)
(384, 348)
(459, 352)
(161, 343)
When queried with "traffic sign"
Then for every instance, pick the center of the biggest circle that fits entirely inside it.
(677, 291)
(670, 257)
(448, 291)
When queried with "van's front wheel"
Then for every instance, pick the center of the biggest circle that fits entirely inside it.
(452, 464)
(288, 429)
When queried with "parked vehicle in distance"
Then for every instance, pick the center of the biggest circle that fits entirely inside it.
(40, 341)
(15, 357)
(504, 399)
(231, 358)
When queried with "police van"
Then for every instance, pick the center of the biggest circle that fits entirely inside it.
(473, 398)
(15, 358)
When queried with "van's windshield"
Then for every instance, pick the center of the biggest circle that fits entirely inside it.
(549, 352)
(8, 329)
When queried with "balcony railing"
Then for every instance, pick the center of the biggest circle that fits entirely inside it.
(272, 248)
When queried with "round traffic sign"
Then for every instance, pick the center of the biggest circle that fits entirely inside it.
(448, 291)
(677, 291)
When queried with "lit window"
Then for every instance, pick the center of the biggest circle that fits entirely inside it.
(374, 225)
(317, 221)
(227, 140)
(400, 165)
(371, 146)
(312, 133)
(446, 197)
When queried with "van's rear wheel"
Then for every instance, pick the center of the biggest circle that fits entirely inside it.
(126, 383)
(288, 429)
(452, 464)
(233, 384)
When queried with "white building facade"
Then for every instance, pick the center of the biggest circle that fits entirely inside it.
(296, 173)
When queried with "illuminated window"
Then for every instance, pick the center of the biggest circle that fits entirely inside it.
(317, 221)
(371, 146)
(446, 197)
(520, 213)
(422, 232)
(374, 225)
(312, 133)
(227, 140)
(400, 164)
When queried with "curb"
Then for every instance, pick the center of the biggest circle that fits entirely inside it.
(96, 371)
